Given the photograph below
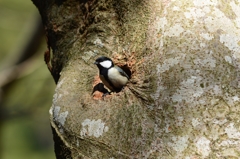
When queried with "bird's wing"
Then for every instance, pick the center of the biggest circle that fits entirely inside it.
(122, 72)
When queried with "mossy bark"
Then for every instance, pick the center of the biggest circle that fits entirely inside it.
(182, 100)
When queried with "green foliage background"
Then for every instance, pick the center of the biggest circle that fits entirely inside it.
(24, 102)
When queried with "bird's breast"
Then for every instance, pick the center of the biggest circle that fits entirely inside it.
(105, 82)
(116, 78)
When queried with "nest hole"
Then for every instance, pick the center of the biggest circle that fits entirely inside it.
(101, 90)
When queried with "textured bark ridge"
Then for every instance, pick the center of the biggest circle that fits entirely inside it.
(182, 100)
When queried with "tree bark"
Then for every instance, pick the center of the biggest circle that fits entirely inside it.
(182, 100)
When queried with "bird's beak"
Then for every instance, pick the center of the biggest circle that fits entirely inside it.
(95, 63)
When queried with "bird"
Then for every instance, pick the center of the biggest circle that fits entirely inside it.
(112, 76)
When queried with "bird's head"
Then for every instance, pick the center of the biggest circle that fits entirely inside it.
(104, 62)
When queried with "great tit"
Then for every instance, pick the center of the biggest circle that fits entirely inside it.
(113, 77)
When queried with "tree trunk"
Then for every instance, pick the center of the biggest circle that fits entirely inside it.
(182, 100)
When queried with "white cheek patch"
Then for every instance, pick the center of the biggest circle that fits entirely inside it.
(106, 64)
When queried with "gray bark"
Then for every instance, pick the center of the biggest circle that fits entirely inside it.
(183, 97)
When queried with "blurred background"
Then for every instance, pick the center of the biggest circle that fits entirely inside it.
(26, 86)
